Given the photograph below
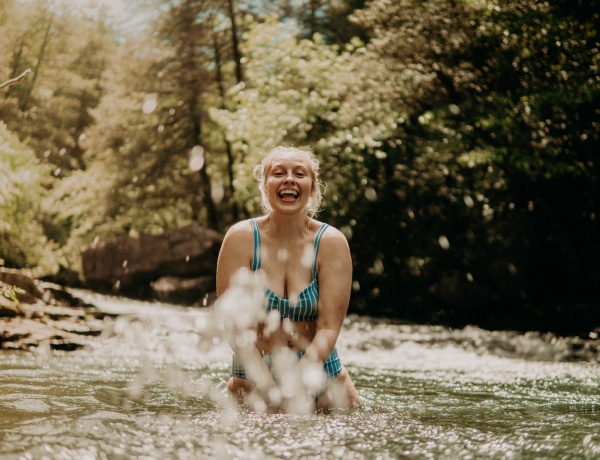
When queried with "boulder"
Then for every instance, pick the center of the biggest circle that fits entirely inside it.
(129, 266)
(29, 289)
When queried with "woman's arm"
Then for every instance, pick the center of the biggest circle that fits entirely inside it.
(236, 303)
(335, 282)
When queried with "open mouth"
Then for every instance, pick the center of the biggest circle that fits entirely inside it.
(288, 194)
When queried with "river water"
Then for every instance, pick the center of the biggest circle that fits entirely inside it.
(153, 387)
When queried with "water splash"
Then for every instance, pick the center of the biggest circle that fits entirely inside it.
(240, 311)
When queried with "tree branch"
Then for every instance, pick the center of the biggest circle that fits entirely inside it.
(12, 81)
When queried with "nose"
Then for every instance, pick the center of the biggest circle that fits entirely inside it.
(290, 177)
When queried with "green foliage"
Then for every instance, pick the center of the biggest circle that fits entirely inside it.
(501, 104)
(67, 53)
(459, 140)
(22, 240)
(292, 92)
(10, 292)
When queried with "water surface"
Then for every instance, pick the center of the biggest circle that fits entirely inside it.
(153, 387)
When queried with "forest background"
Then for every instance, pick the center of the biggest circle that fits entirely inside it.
(459, 140)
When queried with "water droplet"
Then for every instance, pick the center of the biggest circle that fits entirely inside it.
(197, 158)
(217, 192)
(282, 255)
(370, 194)
(377, 267)
(443, 242)
(150, 103)
(307, 256)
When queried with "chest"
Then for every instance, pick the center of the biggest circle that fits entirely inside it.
(288, 268)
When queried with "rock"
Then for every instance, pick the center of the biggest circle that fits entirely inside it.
(55, 294)
(13, 277)
(129, 265)
(45, 314)
(8, 307)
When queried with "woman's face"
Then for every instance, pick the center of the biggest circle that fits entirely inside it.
(289, 181)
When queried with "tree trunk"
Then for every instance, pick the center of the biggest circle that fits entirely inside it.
(237, 55)
(212, 220)
(221, 84)
(25, 101)
(314, 6)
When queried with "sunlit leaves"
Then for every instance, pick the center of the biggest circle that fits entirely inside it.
(292, 95)
(22, 241)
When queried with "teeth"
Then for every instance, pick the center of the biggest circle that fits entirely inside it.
(288, 193)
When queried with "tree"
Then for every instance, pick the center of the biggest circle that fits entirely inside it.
(68, 54)
(291, 92)
(491, 104)
(330, 19)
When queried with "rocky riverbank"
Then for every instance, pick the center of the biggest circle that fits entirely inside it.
(34, 313)
(42, 314)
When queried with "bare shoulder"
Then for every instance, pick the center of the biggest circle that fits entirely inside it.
(333, 236)
(239, 232)
(333, 244)
(238, 242)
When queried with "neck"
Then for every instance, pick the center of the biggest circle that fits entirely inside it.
(288, 225)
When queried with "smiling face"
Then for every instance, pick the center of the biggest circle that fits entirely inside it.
(289, 181)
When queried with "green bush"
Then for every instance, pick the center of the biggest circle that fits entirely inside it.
(22, 240)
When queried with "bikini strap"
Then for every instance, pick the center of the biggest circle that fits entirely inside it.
(316, 247)
(256, 255)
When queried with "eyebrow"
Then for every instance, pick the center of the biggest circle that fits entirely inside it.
(280, 166)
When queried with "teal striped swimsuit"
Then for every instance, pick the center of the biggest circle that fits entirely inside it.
(304, 308)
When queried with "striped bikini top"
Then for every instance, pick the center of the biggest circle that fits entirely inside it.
(305, 307)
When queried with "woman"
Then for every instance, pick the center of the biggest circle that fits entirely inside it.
(307, 268)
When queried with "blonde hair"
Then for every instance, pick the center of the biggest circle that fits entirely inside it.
(261, 171)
